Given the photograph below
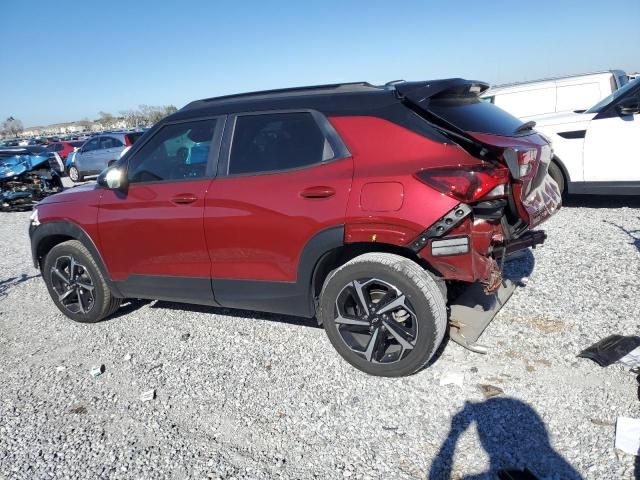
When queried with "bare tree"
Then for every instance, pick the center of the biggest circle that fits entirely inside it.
(106, 119)
(12, 126)
(85, 123)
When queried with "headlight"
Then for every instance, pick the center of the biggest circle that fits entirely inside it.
(35, 221)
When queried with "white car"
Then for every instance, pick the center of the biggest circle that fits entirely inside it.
(555, 95)
(598, 151)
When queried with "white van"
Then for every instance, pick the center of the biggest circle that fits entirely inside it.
(562, 94)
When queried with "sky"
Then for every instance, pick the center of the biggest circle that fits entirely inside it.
(68, 60)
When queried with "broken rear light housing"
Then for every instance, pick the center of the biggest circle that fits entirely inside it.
(467, 183)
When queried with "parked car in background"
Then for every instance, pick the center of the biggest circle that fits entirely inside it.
(598, 151)
(359, 205)
(99, 152)
(562, 94)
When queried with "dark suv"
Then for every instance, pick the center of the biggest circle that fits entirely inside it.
(367, 207)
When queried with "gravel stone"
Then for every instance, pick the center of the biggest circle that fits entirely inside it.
(253, 395)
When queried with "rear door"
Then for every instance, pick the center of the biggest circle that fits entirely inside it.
(152, 235)
(282, 190)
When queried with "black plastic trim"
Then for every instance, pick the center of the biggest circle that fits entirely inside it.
(39, 233)
(168, 288)
(604, 188)
(573, 134)
(291, 298)
(450, 220)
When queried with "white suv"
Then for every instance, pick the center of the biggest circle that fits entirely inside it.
(598, 151)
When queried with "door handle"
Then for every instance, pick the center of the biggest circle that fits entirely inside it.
(184, 199)
(318, 192)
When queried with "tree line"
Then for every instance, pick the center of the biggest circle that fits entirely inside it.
(144, 115)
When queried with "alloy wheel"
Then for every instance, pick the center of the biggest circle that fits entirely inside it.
(73, 174)
(376, 320)
(73, 285)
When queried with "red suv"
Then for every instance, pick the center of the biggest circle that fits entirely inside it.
(366, 207)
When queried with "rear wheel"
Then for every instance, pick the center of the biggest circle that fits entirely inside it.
(76, 285)
(75, 175)
(384, 314)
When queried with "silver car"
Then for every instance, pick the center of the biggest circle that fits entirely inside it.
(99, 152)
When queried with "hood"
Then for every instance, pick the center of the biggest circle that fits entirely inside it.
(19, 164)
(73, 194)
(561, 118)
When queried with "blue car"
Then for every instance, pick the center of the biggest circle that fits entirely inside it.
(25, 178)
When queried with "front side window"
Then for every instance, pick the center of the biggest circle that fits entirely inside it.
(176, 152)
(277, 141)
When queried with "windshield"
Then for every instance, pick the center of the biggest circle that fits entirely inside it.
(607, 100)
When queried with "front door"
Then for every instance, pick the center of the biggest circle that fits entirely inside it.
(612, 144)
(282, 191)
(152, 235)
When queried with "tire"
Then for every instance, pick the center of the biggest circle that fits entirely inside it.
(403, 302)
(558, 176)
(75, 175)
(85, 298)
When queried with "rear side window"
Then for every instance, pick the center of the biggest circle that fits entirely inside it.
(277, 141)
(110, 142)
(176, 152)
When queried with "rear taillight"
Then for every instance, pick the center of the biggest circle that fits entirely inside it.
(520, 160)
(127, 141)
(467, 183)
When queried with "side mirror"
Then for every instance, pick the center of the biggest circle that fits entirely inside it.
(629, 106)
(113, 178)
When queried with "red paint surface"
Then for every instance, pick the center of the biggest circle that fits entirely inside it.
(146, 233)
(256, 226)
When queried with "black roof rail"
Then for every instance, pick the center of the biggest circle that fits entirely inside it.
(283, 92)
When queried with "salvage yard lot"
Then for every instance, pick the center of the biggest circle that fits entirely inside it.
(243, 394)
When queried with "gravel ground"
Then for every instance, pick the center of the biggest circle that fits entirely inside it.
(248, 395)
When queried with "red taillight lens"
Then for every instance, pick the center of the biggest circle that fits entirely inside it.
(127, 140)
(467, 183)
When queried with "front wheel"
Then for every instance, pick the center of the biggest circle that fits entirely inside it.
(76, 285)
(75, 175)
(384, 314)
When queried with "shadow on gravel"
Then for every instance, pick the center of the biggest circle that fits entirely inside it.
(602, 201)
(9, 283)
(634, 235)
(512, 434)
(241, 314)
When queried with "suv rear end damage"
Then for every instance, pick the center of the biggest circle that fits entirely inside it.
(506, 194)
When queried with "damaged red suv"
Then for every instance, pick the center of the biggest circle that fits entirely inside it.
(371, 208)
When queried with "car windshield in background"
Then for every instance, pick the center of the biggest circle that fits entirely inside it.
(133, 137)
(77, 143)
(602, 104)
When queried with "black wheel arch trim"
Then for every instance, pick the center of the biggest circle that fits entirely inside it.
(72, 230)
